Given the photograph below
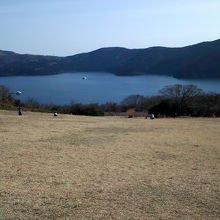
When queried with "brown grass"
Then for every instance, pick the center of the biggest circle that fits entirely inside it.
(75, 167)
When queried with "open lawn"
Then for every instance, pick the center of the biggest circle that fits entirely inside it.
(77, 167)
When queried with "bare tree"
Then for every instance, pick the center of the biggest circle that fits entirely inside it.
(133, 101)
(5, 95)
(32, 103)
(182, 95)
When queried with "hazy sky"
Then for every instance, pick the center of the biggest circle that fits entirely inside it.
(66, 27)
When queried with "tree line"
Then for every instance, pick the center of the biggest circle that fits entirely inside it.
(171, 101)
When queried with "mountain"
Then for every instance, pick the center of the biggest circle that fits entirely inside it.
(195, 61)
(24, 64)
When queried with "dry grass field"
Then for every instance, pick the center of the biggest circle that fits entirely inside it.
(76, 167)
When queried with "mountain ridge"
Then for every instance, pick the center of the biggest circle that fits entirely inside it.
(193, 61)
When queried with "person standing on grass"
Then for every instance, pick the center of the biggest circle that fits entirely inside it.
(19, 111)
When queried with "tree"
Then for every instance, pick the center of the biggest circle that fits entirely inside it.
(32, 103)
(164, 108)
(182, 95)
(5, 95)
(111, 107)
(133, 101)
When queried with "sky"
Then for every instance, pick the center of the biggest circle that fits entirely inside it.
(67, 27)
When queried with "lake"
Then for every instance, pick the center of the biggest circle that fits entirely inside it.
(97, 88)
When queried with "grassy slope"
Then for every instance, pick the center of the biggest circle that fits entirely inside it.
(75, 167)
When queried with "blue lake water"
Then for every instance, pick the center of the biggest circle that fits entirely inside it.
(98, 88)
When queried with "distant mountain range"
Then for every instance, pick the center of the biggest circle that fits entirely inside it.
(195, 61)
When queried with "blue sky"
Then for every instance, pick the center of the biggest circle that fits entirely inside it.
(66, 27)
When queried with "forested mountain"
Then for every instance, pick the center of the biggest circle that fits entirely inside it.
(24, 64)
(195, 61)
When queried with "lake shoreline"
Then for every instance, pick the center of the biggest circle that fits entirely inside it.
(116, 74)
(99, 87)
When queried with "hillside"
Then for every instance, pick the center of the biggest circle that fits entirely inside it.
(78, 167)
(195, 61)
(25, 64)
